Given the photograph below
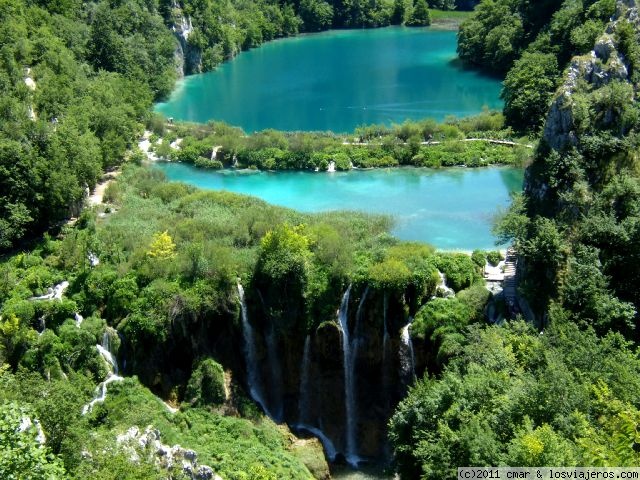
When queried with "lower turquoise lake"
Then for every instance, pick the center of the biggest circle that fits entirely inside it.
(451, 209)
(337, 80)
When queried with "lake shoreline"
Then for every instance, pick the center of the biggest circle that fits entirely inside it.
(451, 209)
(414, 76)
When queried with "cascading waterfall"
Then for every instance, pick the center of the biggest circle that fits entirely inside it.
(407, 356)
(354, 343)
(251, 358)
(105, 352)
(359, 311)
(442, 286)
(349, 386)
(305, 385)
(304, 405)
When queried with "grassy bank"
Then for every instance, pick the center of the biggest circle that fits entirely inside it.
(448, 19)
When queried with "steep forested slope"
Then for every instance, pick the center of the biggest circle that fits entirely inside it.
(576, 225)
(531, 42)
(567, 392)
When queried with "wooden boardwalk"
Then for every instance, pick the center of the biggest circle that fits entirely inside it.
(509, 285)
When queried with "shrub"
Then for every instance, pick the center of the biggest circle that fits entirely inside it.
(494, 258)
(206, 385)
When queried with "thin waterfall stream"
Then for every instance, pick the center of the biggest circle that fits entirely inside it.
(349, 386)
(254, 380)
(105, 352)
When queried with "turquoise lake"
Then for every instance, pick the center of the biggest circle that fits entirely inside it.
(337, 80)
(451, 209)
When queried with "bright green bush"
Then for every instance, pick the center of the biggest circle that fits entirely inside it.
(206, 385)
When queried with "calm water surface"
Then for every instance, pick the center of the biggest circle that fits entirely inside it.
(337, 81)
(451, 209)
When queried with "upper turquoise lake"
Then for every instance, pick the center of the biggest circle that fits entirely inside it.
(451, 209)
(337, 80)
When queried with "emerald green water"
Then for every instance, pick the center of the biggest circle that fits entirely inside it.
(451, 209)
(337, 81)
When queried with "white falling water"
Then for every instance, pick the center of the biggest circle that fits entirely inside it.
(407, 356)
(354, 342)
(328, 445)
(79, 319)
(305, 384)
(359, 311)
(442, 286)
(305, 402)
(349, 386)
(251, 358)
(105, 352)
(54, 293)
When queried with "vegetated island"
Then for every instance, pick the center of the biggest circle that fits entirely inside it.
(477, 141)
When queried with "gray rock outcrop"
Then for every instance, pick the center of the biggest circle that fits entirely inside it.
(147, 445)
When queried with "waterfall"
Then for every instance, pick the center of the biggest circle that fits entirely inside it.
(442, 286)
(354, 343)
(250, 355)
(276, 376)
(105, 352)
(79, 319)
(407, 356)
(359, 311)
(53, 293)
(304, 422)
(305, 384)
(349, 386)
(327, 444)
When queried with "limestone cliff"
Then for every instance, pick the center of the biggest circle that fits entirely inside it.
(188, 56)
(568, 170)
(601, 66)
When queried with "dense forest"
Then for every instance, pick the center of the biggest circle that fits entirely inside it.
(149, 285)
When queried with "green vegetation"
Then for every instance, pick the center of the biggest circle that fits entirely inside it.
(21, 451)
(420, 15)
(60, 132)
(575, 226)
(531, 43)
(513, 397)
(237, 449)
(171, 257)
(169, 262)
(566, 393)
(472, 142)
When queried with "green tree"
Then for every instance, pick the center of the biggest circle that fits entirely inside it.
(316, 15)
(206, 385)
(21, 455)
(528, 89)
(420, 16)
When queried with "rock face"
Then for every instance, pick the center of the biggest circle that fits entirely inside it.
(601, 66)
(563, 130)
(147, 445)
(298, 368)
(306, 386)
